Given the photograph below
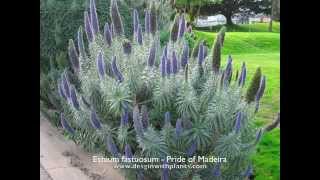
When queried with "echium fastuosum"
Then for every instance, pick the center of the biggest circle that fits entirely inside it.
(138, 99)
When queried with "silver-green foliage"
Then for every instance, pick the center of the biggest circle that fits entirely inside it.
(216, 120)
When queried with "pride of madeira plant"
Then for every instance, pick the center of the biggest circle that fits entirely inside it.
(138, 99)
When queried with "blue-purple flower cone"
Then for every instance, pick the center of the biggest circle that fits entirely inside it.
(65, 83)
(163, 65)
(107, 34)
(73, 56)
(179, 128)
(243, 75)
(185, 55)
(88, 27)
(95, 122)
(200, 53)
(174, 62)
(192, 149)
(115, 69)
(65, 124)
(128, 151)
(217, 170)
(112, 148)
(147, 21)
(239, 118)
(152, 55)
(101, 66)
(94, 17)
(139, 35)
(81, 47)
(124, 119)
(137, 121)
(74, 99)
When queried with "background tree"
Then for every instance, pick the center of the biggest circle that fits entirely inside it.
(275, 12)
(228, 8)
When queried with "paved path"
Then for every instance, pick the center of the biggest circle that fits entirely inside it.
(61, 159)
(44, 174)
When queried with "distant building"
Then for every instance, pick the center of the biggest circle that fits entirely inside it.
(210, 21)
(207, 21)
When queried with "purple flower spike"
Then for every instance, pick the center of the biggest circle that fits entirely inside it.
(261, 88)
(192, 149)
(163, 65)
(94, 17)
(140, 175)
(258, 135)
(152, 55)
(249, 171)
(168, 67)
(153, 19)
(165, 51)
(85, 102)
(137, 124)
(228, 71)
(65, 124)
(95, 122)
(107, 34)
(205, 51)
(165, 171)
(82, 51)
(179, 128)
(174, 62)
(124, 119)
(147, 21)
(185, 55)
(65, 84)
(61, 92)
(112, 30)
(101, 65)
(182, 26)
(186, 123)
(135, 21)
(128, 151)
(139, 35)
(73, 56)
(200, 53)
(74, 99)
(112, 148)
(116, 18)
(145, 116)
(243, 75)
(115, 69)
(238, 121)
(127, 47)
(167, 118)
(257, 106)
(88, 27)
(217, 170)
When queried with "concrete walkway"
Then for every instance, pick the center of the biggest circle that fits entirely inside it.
(61, 159)
(44, 174)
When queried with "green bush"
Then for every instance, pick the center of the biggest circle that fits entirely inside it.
(60, 19)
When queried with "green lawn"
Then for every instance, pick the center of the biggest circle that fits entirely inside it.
(258, 49)
(257, 27)
(267, 160)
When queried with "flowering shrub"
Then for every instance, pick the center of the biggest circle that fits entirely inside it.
(138, 99)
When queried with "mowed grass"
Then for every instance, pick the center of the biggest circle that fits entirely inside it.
(256, 27)
(258, 49)
(267, 160)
